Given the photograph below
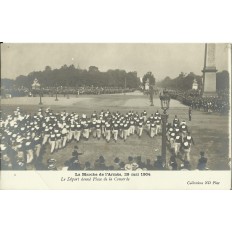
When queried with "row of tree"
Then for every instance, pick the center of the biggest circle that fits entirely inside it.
(185, 81)
(75, 77)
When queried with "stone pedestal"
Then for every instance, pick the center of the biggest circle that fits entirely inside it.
(209, 71)
(195, 85)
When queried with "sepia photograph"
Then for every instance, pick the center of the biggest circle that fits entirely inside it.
(133, 107)
(105, 102)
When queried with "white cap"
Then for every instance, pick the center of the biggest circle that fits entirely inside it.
(3, 147)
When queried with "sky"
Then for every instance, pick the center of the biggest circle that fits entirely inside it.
(161, 59)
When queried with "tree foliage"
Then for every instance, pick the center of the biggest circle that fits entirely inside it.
(222, 80)
(150, 77)
(71, 76)
(7, 83)
(184, 82)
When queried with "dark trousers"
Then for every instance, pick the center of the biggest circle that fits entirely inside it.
(190, 117)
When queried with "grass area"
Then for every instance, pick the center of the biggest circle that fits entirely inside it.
(210, 131)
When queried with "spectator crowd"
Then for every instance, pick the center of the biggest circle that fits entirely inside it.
(193, 98)
(50, 91)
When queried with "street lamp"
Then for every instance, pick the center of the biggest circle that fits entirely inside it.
(67, 90)
(151, 93)
(165, 100)
(125, 85)
(76, 91)
(56, 93)
(40, 96)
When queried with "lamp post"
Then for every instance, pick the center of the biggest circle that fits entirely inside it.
(151, 93)
(165, 100)
(125, 86)
(56, 93)
(76, 91)
(40, 96)
(67, 92)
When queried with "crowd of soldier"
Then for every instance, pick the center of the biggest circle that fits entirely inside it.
(25, 135)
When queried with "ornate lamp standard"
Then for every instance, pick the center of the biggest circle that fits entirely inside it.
(40, 96)
(165, 100)
(67, 92)
(125, 86)
(36, 88)
(151, 93)
(56, 92)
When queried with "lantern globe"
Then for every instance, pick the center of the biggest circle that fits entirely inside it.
(165, 101)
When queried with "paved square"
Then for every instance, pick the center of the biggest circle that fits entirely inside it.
(210, 131)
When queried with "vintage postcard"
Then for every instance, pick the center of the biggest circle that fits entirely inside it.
(115, 116)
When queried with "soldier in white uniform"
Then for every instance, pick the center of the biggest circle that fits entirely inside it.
(184, 131)
(170, 130)
(186, 151)
(144, 115)
(58, 141)
(86, 131)
(64, 134)
(148, 125)
(140, 129)
(72, 131)
(132, 126)
(121, 129)
(53, 141)
(172, 139)
(152, 130)
(177, 144)
(93, 127)
(189, 139)
(37, 142)
(78, 132)
(157, 126)
(108, 132)
(126, 127)
(29, 151)
(115, 131)
(20, 154)
(103, 131)
(98, 129)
